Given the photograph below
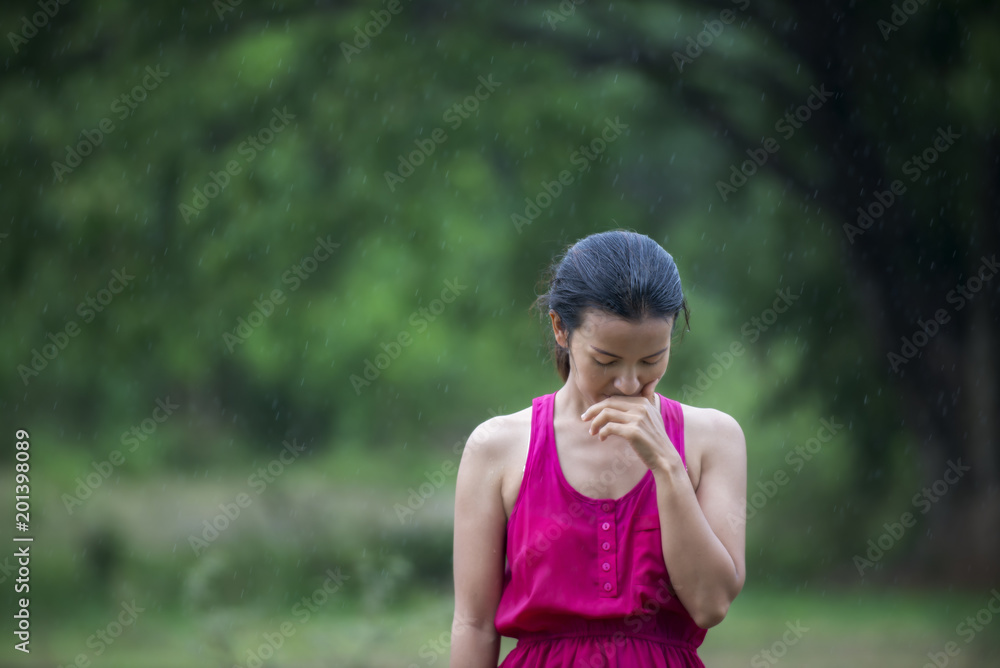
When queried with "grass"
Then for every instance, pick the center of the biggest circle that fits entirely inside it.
(318, 513)
(857, 628)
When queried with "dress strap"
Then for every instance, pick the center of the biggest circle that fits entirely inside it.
(534, 465)
(673, 421)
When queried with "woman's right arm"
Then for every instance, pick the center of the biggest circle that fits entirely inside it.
(480, 535)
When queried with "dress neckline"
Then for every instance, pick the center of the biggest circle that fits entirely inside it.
(551, 427)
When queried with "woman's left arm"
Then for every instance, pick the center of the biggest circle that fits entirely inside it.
(704, 531)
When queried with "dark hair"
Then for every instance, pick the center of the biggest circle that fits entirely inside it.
(620, 272)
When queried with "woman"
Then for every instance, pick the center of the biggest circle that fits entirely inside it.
(611, 502)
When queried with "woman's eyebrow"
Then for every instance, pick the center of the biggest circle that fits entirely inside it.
(605, 352)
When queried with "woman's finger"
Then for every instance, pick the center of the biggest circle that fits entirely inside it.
(606, 416)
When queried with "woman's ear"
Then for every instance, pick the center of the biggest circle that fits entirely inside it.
(557, 329)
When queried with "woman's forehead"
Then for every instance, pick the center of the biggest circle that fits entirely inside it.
(600, 325)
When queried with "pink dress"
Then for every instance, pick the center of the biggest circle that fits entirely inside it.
(585, 585)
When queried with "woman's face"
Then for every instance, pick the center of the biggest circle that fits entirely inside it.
(611, 356)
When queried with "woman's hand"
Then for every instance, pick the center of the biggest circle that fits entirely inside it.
(638, 421)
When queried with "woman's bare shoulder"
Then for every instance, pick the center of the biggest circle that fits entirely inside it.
(496, 438)
(710, 430)
(492, 455)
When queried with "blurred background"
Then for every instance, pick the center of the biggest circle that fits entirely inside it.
(265, 266)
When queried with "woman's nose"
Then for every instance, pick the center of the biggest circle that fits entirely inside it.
(627, 384)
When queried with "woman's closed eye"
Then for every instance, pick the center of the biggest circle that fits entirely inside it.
(599, 362)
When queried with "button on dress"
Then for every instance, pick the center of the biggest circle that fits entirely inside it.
(585, 584)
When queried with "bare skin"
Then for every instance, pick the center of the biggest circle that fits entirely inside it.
(606, 413)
